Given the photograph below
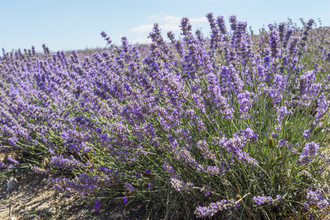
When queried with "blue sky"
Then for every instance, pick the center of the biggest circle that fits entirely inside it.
(77, 24)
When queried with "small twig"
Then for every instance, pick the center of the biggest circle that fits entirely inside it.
(9, 207)
(240, 197)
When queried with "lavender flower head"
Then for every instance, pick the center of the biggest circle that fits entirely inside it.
(308, 152)
(12, 160)
(315, 198)
(97, 204)
(260, 200)
(125, 200)
(38, 170)
(129, 187)
(307, 134)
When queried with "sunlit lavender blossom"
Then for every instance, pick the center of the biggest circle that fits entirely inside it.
(307, 133)
(50, 150)
(282, 113)
(260, 200)
(125, 200)
(315, 197)
(308, 152)
(97, 204)
(276, 90)
(169, 169)
(129, 187)
(274, 135)
(322, 107)
(282, 143)
(38, 170)
(244, 103)
(249, 134)
(2, 165)
(306, 81)
(234, 145)
(214, 207)
(206, 189)
(279, 197)
(65, 163)
(179, 185)
(138, 175)
(206, 152)
(12, 160)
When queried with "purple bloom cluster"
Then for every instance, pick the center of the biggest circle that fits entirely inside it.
(278, 197)
(2, 165)
(273, 41)
(215, 207)
(234, 146)
(315, 198)
(284, 142)
(58, 162)
(260, 200)
(84, 183)
(182, 153)
(10, 159)
(97, 204)
(244, 103)
(125, 200)
(38, 170)
(322, 107)
(308, 152)
(10, 165)
(169, 169)
(206, 189)
(179, 185)
(282, 113)
(249, 134)
(206, 152)
(307, 134)
(129, 187)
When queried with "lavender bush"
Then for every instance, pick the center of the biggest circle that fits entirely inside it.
(232, 126)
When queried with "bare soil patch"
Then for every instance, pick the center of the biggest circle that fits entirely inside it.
(33, 197)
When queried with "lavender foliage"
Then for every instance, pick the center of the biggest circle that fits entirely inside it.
(197, 117)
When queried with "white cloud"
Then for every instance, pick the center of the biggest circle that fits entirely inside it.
(202, 19)
(166, 23)
(141, 40)
(142, 28)
(170, 27)
(171, 18)
(156, 17)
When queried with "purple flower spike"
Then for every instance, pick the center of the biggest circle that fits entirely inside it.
(12, 160)
(129, 187)
(260, 200)
(97, 204)
(307, 134)
(125, 201)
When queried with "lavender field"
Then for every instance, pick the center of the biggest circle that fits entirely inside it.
(228, 126)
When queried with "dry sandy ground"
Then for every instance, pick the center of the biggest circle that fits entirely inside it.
(34, 198)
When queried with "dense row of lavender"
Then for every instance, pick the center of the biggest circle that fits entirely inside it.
(235, 124)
